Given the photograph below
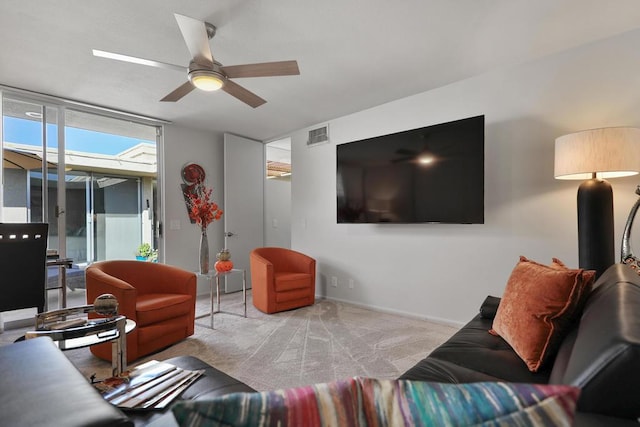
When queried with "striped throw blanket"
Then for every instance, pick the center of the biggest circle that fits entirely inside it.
(370, 402)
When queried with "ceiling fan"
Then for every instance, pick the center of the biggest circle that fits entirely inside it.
(204, 72)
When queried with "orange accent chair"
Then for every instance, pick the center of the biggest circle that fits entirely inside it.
(159, 297)
(282, 279)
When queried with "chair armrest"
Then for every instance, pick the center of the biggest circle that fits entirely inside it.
(98, 282)
(261, 270)
(262, 282)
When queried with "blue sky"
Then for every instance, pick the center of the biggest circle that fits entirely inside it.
(21, 131)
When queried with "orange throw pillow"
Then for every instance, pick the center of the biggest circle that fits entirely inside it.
(537, 307)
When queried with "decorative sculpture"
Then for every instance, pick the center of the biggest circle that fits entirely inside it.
(224, 262)
(626, 255)
(192, 175)
(106, 305)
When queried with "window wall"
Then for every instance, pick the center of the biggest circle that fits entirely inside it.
(91, 176)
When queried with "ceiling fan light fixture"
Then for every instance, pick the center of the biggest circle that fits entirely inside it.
(206, 80)
(426, 159)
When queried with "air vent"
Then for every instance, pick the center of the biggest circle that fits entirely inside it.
(318, 136)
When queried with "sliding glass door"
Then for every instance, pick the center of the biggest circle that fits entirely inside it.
(28, 130)
(91, 176)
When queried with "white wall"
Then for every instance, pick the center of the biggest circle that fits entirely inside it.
(442, 271)
(182, 239)
(277, 213)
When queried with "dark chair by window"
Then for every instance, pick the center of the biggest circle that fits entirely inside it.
(23, 253)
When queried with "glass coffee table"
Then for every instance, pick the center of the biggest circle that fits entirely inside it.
(72, 333)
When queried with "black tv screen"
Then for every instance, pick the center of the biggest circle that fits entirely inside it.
(433, 174)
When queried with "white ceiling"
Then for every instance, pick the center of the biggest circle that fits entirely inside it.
(353, 54)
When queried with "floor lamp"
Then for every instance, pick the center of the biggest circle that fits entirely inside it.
(593, 155)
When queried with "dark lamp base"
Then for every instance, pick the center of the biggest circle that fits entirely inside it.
(595, 225)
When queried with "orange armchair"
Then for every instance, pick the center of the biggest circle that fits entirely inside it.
(282, 279)
(159, 297)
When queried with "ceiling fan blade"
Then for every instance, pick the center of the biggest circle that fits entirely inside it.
(265, 69)
(242, 94)
(406, 152)
(401, 159)
(177, 94)
(136, 60)
(195, 36)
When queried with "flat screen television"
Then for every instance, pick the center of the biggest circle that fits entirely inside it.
(433, 174)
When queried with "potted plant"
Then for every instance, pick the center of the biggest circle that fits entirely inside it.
(144, 252)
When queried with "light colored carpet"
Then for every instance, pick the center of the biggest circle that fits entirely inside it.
(327, 341)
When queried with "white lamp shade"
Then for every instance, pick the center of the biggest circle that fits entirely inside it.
(607, 152)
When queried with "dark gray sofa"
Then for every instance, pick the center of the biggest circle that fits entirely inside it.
(600, 355)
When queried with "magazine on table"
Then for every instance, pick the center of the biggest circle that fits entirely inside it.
(152, 385)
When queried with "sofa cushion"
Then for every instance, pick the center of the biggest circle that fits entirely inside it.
(365, 401)
(536, 309)
(445, 371)
(471, 355)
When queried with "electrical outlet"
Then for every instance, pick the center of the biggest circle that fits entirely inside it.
(352, 284)
(334, 281)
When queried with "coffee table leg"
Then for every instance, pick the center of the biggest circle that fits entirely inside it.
(211, 279)
(244, 291)
(119, 351)
(217, 299)
(62, 292)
